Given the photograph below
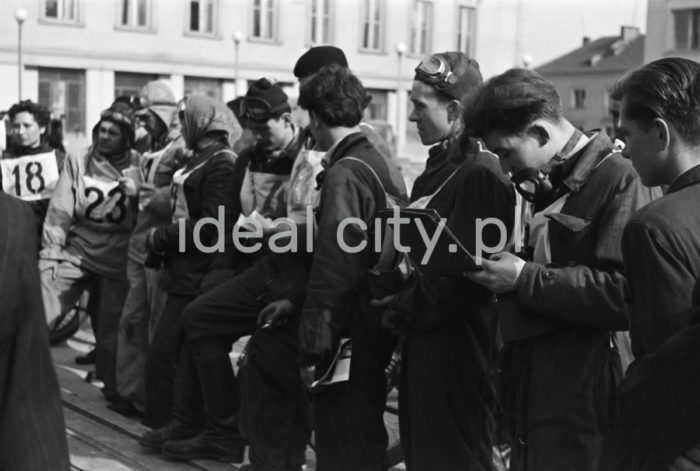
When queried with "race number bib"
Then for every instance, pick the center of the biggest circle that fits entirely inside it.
(103, 202)
(30, 178)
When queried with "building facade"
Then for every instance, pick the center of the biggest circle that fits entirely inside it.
(78, 55)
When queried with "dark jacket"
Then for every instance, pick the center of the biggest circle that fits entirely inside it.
(207, 189)
(559, 386)
(661, 248)
(338, 289)
(32, 433)
(450, 325)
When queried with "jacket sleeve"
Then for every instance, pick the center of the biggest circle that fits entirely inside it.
(337, 274)
(60, 214)
(658, 282)
(591, 296)
(217, 191)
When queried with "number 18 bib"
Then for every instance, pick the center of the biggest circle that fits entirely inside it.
(30, 178)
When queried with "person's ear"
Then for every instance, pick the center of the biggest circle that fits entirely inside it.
(540, 133)
(454, 110)
(661, 134)
(42, 130)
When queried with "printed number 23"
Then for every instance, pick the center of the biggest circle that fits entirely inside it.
(120, 206)
(33, 172)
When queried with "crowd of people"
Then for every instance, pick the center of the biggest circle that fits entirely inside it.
(186, 246)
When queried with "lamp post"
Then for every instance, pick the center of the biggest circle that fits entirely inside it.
(401, 49)
(20, 16)
(237, 38)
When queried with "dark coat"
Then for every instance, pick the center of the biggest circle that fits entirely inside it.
(208, 188)
(446, 393)
(560, 385)
(32, 434)
(661, 248)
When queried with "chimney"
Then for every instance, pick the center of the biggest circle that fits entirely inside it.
(628, 33)
(586, 40)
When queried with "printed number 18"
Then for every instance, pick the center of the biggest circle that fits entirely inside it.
(33, 171)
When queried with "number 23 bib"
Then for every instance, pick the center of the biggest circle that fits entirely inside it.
(103, 202)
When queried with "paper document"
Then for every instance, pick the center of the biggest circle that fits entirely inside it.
(339, 369)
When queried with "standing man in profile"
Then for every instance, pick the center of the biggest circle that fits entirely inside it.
(659, 403)
(350, 433)
(449, 344)
(32, 435)
(560, 371)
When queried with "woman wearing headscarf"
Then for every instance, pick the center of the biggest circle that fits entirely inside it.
(86, 234)
(202, 188)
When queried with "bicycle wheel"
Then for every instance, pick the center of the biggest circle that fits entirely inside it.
(67, 325)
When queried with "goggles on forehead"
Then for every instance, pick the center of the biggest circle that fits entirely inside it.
(435, 71)
(258, 109)
(116, 117)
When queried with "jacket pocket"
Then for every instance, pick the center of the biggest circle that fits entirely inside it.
(570, 240)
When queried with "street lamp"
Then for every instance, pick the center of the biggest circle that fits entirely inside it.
(237, 38)
(401, 49)
(20, 16)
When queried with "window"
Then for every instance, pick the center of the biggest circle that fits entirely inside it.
(204, 86)
(421, 27)
(373, 25)
(65, 11)
(578, 98)
(466, 30)
(135, 13)
(265, 19)
(130, 83)
(320, 22)
(687, 28)
(202, 16)
(62, 91)
(377, 108)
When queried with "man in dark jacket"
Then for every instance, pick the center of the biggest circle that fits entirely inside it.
(449, 349)
(661, 248)
(350, 432)
(32, 435)
(560, 372)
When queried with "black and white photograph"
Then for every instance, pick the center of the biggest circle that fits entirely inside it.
(350, 235)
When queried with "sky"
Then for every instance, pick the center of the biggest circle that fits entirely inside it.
(554, 27)
(549, 28)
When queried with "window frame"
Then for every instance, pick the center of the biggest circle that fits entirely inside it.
(314, 21)
(366, 21)
(574, 102)
(692, 33)
(77, 21)
(430, 23)
(79, 78)
(473, 37)
(275, 27)
(214, 33)
(150, 15)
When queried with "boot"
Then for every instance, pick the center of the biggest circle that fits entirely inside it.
(154, 439)
(205, 446)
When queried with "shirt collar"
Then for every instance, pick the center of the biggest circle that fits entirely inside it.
(689, 177)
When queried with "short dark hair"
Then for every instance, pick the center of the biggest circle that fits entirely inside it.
(335, 95)
(41, 113)
(510, 102)
(669, 89)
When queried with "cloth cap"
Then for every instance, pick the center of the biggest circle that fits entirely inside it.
(157, 97)
(312, 60)
(263, 100)
(467, 75)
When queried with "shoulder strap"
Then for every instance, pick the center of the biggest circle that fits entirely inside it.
(368, 166)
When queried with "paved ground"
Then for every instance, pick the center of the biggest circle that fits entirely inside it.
(102, 440)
